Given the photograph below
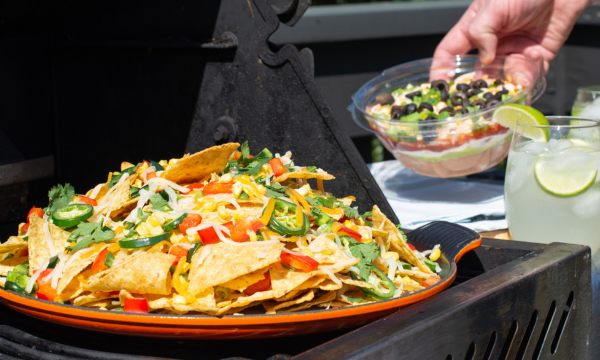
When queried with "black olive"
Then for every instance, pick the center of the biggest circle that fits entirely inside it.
(465, 103)
(425, 105)
(473, 92)
(480, 104)
(492, 102)
(459, 111)
(440, 85)
(410, 108)
(500, 93)
(413, 94)
(384, 99)
(478, 84)
(458, 97)
(448, 109)
(462, 87)
(498, 82)
(397, 112)
(429, 130)
(444, 94)
(488, 95)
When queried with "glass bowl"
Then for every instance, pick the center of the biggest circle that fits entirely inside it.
(452, 146)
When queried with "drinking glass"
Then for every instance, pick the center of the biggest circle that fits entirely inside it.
(587, 102)
(552, 191)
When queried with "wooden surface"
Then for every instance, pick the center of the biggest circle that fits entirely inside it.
(497, 234)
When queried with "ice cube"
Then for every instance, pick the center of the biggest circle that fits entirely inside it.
(560, 145)
(592, 110)
(535, 147)
(587, 205)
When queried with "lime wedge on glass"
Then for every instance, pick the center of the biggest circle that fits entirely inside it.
(567, 174)
(510, 114)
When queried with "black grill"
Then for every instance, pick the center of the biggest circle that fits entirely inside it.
(206, 68)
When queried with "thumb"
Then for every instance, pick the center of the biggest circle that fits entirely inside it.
(483, 31)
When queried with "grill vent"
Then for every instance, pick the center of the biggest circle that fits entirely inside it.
(563, 321)
(509, 340)
(490, 347)
(547, 322)
(470, 352)
(449, 357)
(527, 335)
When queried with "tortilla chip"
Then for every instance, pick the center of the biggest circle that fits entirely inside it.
(194, 167)
(284, 281)
(86, 299)
(242, 282)
(305, 174)
(120, 199)
(126, 165)
(84, 259)
(406, 285)
(9, 264)
(333, 304)
(380, 221)
(417, 275)
(329, 285)
(13, 242)
(354, 294)
(38, 246)
(227, 262)
(380, 234)
(246, 300)
(348, 200)
(311, 283)
(146, 273)
(327, 245)
(327, 297)
(103, 190)
(273, 306)
(289, 296)
(103, 304)
(350, 281)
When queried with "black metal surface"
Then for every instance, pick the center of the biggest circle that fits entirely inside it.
(499, 283)
(535, 307)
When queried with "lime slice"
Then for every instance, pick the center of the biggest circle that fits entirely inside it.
(566, 174)
(508, 115)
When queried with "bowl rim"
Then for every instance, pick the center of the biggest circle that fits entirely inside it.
(538, 82)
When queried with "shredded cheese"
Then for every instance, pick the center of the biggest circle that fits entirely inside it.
(164, 183)
(49, 241)
(204, 254)
(33, 279)
(96, 191)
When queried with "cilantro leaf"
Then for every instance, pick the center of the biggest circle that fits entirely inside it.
(246, 165)
(274, 190)
(157, 166)
(312, 169)
(88, 233)
(365, 252)
(59, 196)
(354, 300)
(351, 213)
(319, 201)
(245, 150)
(315, 212)
(159, 203)
(142, 216)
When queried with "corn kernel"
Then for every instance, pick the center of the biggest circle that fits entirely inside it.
(156, 231)
(435, 254)
(138, 183)
(366, 240)
(153, 221)
(209, 205)
(227, 178)
(193, 238)
(223, 214)
(178, 300)
(393, 255)
(252, 235)
(237, 189)
(163, 162)
(176, 238)
(348, 224)
(261, 189)
(114, 248)
(237, 216)
(173, 161)
(118, 230)
(75, 198)
(142, 229)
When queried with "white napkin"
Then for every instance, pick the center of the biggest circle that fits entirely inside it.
(418, 200)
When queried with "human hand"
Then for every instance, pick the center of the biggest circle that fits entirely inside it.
(533, 28)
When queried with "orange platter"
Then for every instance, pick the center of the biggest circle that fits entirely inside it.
(454, 241)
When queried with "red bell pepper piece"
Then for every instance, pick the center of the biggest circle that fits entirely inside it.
(299, 262)
(25, 227)
(87, 200)
(179, 252)
(150, 175)
(431, 280)
(195, 186)
(209, 236)
(38, 211)
(134, 305)
(189, 221)
(239, 230)
(44, 287)
(353, 234)
(262, 285)
(277, 166)
(411, 247)
(218, 188)
(98, 265)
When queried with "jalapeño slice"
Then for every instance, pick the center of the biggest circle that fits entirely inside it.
(143, 242)
(172, 224)
(71, 215)
(283, 220)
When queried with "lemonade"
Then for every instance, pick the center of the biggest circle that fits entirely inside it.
(552, 188)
